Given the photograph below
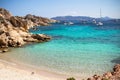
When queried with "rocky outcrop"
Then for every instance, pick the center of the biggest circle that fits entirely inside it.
(4, 13)
(21, 23)
(14, 29)
(115, 75)
(39, 20)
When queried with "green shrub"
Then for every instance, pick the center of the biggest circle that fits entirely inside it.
(71, 78)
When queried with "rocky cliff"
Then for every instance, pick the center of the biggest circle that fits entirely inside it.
(14, 29)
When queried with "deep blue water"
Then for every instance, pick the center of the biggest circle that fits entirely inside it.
(75, 50)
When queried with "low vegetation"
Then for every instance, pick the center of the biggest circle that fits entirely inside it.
(71, 78)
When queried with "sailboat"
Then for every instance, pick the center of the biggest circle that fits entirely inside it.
(68, 23)
(100, 23)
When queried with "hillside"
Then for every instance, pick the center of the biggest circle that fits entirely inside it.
(86, 19)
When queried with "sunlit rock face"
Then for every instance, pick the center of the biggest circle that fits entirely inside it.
(14, 29)
(5, 13)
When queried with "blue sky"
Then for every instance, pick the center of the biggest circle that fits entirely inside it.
(51, 8)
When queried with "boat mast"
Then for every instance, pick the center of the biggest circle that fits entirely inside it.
(100, 19)
(100, 13)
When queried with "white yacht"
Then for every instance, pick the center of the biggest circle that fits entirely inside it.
(99, 24)
(68, 23)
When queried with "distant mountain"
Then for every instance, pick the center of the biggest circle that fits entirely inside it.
(80, 18)
(62, 18)
(72, 18)
(86, 19)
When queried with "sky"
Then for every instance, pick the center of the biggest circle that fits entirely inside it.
(52, 8)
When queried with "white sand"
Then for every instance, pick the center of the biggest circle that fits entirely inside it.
(8, 72)
(12, 71)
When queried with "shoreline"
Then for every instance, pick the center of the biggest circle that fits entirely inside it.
(20, 71)
(42, 73)
(16, 70)
(31, 70)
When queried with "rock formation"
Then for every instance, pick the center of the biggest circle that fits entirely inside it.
(14, 29)
(39, 20)
(4, 13)
(115, 75)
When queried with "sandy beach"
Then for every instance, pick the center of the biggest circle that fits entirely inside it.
(15, 71)
(10, 71)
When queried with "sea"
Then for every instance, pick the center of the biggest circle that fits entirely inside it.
(74, 50)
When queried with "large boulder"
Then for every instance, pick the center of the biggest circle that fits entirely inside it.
(41, 37)
(21, 23)
(4, 22)
(5, 13)
(3, 40)
(15, 39)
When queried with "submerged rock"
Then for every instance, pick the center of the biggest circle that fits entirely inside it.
(2, 50)
(41, 37)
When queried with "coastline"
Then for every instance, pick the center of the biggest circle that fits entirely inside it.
(43, 73)
(10, 70)
(17, 71)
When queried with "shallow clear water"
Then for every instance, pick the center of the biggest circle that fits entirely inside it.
(76, 50)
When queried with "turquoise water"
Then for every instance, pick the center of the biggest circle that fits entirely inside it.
(75, 50)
